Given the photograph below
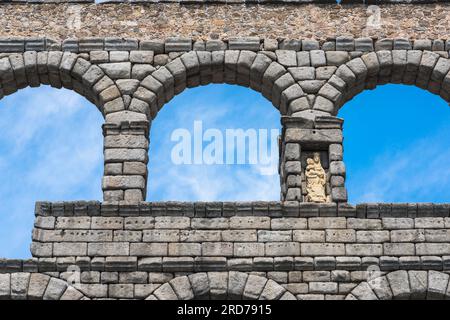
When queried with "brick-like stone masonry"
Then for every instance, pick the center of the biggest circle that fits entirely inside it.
(260, 250)
(126, 248)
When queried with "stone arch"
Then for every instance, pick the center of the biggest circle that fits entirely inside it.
(63, 69)
(60, 70)
(36, 286)
(256, 70)
(425, 69)
(221, 285)
(404, 285)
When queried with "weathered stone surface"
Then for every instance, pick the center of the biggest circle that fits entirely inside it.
(109, 94)
(55, 289)
(248, 249)
(108, 249)
(308, 235)
(399, 249)
(323, 287)
(254, 286)
(372, 236)
(288, 223)
(368, 224)
(123, 182)
(287, 58)
(327, 223)
(364, 292)
(419, 284)
(364, 249)
(249, 222)
(118, 70)
(119, 56)
(433, 248)
(313, 136)
(437, 285)
(72, 294)
(236, 284)
(271, 291)
(165, 292)
(67, 249)
(38, 284)
(380, 286)
(318, 58)
(19, 285)
(322, 249)
(408, 235)
(218, 282)
(399, 282)
(340, 235)
(5, 285)
(147, 249)
(200, 284)
(182, 288)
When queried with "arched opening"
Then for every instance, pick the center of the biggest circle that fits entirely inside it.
(215, 142)
(396, 145)
(50, 149)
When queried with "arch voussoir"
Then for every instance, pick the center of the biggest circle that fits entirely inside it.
(245, 62)
(179, 74)
(363, 291)
(236, 284)
(253, 287)
(272, 291)
(381, 288)
(425, 69)
(404, 285)
(165, 292)
(36, 286)
(192, 65)
(221, 285)
(200, 285)
(182, 288)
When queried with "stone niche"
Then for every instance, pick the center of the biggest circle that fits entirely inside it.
(301, 140)
(325, 164)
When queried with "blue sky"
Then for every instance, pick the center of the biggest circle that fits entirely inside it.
(397, 146)
(217, 106)
(396, 149)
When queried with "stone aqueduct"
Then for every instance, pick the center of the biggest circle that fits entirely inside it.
(126, 248)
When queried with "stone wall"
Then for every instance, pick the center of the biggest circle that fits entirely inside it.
(92, 250)
(213, 21)
(246, 236)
